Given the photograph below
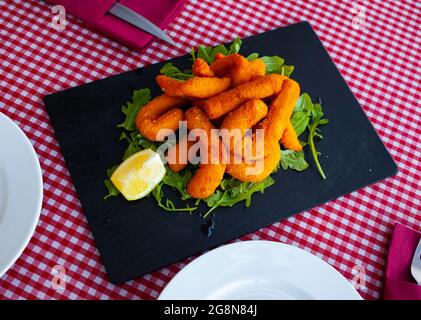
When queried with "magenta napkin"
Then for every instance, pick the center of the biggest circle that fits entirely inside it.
(94, 13)
(399, 283)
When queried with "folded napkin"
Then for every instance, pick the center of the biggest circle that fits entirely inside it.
(399, 283)
(95, 13)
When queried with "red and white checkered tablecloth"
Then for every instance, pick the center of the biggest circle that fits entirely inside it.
(378, 56)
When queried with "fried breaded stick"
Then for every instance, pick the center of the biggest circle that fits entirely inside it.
(222, 66)
(235, 66)
(241, 119)
(246, 116)
(277, 119)
(238, 68)
(209, 175)
(257, 170)
(177, 158)
(161, 112)
(196, 87)
(274, 127)
(257, 69)
(202, 69)
(229, 100)
(281, 109)
(290, 140)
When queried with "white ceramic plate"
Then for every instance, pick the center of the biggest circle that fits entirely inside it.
(258, 270)
(20, 192)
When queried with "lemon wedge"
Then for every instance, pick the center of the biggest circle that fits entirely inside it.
(139, 174)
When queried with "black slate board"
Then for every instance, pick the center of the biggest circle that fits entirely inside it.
(137, 237)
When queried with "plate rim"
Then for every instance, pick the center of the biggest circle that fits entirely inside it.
(39, 197)
(245, 244)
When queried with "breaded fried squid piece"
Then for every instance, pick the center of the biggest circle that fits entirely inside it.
(177, 157)
(161, 112)
(241, 119)
(257, 170)
(290, 140)
(208, 177)
(281, 109)
(257, 69)
(229, 100)
(274, 125)
(202, 69)
(238, 68)
(235, 66)
(196, 87)
(277, 121)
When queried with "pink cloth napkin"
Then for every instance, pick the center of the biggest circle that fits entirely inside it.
(94, 13)
(399, 283)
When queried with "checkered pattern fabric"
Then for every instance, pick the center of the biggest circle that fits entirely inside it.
(375, 45)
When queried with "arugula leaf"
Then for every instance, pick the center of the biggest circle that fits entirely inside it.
(112, 190)
(293, 159)
(205, 53)
(315, 132)
(193, 54)
(136, 142)
(306, 116)
(304, 103)
(305, 110)
(139, 99)
(286, 70)
(172, 71)
(168, 205)
(178, 181)
(234, 191)
(302, 112)
(143, 142)
(272, 63)
(218, 49)
(235, 46)
(275, 64)
(252, 56)
(132, 148)
(300, 121)
(317, 112)
(208, 53)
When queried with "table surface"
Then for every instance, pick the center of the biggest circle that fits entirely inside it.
(374, 45)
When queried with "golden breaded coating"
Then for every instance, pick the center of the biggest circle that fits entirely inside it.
(205, 181)
(197, 119)
(229, 100)
(290, 140)
(209, 175)
(239, 69)
(281, 109)
(221, 67)
(202, 69)
(219, 56)
(274, 126)
(276, 121)
(177, 158)
(241, 119)
(250, 146)
(257, 69)
(196, 87)
(241, 72)
(256, 170)
(246, 116)
(161, 112)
